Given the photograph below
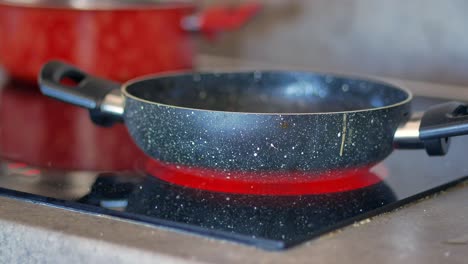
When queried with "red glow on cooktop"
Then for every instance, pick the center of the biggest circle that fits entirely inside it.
(268, 183)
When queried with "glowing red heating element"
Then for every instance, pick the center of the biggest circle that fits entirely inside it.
(268, 183)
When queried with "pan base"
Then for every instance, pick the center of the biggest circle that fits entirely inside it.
(268, 182)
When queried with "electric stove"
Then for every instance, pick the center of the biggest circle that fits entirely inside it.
(52, 154)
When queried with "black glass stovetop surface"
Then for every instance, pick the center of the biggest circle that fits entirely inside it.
(70, 174)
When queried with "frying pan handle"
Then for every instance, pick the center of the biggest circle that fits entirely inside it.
(101, 97)
(444, 120)
(433, 129)
(440, 122)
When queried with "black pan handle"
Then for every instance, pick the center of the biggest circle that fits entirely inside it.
(444, 120)
(87, 91)
(433, 129)
(440, 122)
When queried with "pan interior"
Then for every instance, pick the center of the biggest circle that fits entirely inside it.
(267, 92)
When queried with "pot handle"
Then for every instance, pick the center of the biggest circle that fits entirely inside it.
(102, 97)
(220, 18)
(433, 129)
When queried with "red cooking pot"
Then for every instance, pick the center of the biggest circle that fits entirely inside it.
(117, 39)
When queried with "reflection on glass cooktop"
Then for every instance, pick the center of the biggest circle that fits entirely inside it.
(69, 163)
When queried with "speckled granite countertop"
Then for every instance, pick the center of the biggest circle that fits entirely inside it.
(432, 230)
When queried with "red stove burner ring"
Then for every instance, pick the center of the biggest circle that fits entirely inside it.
(268, 183)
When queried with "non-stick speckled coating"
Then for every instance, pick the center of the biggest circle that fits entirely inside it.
(266, 140)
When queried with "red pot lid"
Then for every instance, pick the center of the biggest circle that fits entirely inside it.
(101, 4)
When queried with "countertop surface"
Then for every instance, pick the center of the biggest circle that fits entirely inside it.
(431, 230)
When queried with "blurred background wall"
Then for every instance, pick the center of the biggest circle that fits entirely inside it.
(412, 39)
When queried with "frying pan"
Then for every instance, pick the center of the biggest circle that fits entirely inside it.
(260, 120)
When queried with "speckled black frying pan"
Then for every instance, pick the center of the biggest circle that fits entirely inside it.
(260, 120)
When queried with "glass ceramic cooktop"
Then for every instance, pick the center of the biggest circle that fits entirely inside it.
(52, 154)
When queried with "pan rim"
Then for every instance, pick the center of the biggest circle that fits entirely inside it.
(123, 89)
(87, 5)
